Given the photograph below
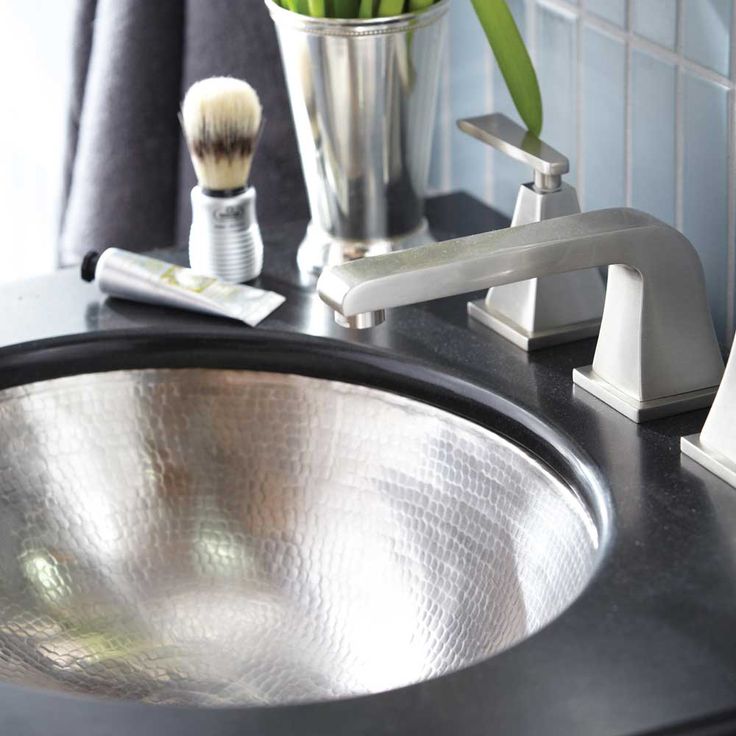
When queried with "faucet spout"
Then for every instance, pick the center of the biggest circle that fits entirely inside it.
(362, 321)
(656, 339)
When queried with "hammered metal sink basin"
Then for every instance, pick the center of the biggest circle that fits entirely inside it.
(221, 537)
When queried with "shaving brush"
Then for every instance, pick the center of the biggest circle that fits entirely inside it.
(221, 118)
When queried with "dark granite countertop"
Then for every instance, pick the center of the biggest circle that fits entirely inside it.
(649, 645)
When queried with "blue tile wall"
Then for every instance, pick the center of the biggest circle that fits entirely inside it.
(438, 177)
(614, 11)
(705, 28)
(603, 120)
(469, 94)
(705, 184)
(653, 136)
(655, 20)
(641, 101)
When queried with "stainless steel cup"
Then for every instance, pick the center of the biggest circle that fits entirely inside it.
(363, 95)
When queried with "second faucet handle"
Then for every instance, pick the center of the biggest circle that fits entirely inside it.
(506, 136)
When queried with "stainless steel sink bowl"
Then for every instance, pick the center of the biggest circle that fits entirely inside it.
(226, 537)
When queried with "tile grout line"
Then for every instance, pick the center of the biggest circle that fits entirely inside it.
(679, 122)
(531, 29)
(628, 112)
(731, 196)
(579, 107)
(447, 115)
(640, 43)
(489, 188)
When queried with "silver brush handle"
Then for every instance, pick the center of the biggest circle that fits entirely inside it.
(225, 239)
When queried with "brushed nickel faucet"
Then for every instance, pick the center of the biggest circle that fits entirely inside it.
(715, 447)
(539, 312)
(657, 352)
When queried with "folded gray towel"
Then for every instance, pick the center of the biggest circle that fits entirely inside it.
(128, 174)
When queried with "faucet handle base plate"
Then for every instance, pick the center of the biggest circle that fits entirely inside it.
(711, 460)
(642, 411)
(530, 340)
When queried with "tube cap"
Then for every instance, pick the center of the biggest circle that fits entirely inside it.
(89, 265)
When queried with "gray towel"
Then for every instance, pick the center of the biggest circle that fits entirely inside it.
(128, 174)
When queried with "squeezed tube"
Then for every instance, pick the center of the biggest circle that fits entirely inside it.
(139, 278)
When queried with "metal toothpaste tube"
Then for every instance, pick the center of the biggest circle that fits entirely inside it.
(132, 276)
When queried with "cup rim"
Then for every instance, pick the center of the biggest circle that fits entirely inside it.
(357, 26)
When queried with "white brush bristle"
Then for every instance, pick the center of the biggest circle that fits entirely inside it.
(221, 117)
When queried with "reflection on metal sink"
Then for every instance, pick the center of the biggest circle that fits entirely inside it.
(218, 537)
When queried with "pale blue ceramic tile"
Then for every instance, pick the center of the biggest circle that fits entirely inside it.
(706, 36)
(469, 88)
(518, 10)
(614, 11)
(437, 179)
(656, 20)
(507, 175)
(705, 186)
(604, 120)
(556, 67)
(653, 136)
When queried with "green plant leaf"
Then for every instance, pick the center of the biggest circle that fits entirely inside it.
(513, 60)
(416, 5)
(317, 8)
(388, 8)
(345, 8)
(366, 9)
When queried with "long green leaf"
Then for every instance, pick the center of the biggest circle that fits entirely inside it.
(388, 8)
(513, 60)
(345, 8)
(366, 9)
(317, 8)
(416, 5)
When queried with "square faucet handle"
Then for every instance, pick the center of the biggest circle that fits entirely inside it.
(506, 136)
